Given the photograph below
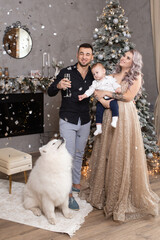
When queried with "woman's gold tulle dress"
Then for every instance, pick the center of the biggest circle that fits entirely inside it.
(118, 179)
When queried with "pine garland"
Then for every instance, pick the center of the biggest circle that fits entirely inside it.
(23, 84)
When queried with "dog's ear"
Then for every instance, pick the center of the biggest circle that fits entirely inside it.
(43, 150)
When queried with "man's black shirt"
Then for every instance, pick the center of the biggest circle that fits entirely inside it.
(71, 108)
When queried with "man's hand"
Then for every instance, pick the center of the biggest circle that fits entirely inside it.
(64, 84)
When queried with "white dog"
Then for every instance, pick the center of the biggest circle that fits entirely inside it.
(50, 181)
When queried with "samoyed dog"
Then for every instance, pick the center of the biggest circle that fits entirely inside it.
(50, 181)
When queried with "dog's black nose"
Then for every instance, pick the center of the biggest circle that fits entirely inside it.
(62, 139)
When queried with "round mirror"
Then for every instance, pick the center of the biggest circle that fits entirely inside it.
(17, 41)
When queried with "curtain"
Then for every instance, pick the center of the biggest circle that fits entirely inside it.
(155, 19)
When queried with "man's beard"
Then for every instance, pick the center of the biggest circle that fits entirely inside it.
(83, 65)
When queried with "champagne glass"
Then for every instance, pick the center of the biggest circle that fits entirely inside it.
(67, 76)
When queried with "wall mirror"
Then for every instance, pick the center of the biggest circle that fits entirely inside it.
(17, 40)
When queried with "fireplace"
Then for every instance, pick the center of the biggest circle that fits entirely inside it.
(21, 114)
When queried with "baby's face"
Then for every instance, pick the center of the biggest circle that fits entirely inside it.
(98, 72)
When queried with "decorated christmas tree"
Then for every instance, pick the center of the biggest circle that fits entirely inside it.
(111, 41)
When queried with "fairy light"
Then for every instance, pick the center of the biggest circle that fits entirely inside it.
(153, 166)
(84, 171)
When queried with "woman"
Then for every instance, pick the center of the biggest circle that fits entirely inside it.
(118, 180)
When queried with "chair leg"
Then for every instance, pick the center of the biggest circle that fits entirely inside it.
(25, 176)
(10, 184)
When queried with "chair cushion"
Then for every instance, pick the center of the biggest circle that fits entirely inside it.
(14, 161)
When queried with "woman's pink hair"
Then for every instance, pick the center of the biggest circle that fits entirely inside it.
(135, 70)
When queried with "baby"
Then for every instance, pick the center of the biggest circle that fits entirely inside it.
(103, 82)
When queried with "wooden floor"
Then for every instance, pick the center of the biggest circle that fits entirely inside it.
(96, 227)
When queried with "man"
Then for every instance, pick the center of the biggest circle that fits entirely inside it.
(74, 121)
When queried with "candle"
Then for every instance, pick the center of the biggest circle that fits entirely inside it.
(44, 63)
(49, 60)
(43, 59)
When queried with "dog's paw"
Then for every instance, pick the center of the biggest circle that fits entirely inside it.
(36, 211)
(68, 215)
(52, 221)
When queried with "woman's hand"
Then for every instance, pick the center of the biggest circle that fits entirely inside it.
(98, 94)
(105, 103)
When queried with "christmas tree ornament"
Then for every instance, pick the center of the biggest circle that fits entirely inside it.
(95, 36)
(153, 133)
(94, 108)
(110, 43)
(128, 35)
(143, 101)
(100, 56)
(149, 155)
(126, 48)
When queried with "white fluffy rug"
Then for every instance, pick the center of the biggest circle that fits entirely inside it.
(11, 209)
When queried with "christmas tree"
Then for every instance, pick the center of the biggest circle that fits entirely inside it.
(146, 118)
(112, 38)
(111, 41)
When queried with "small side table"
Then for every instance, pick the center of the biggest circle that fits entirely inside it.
(14, 161)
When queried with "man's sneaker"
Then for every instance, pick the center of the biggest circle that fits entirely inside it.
(75, 189)
(73, 204)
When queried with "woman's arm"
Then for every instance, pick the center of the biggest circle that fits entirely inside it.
(105, 103)
(127, 96)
